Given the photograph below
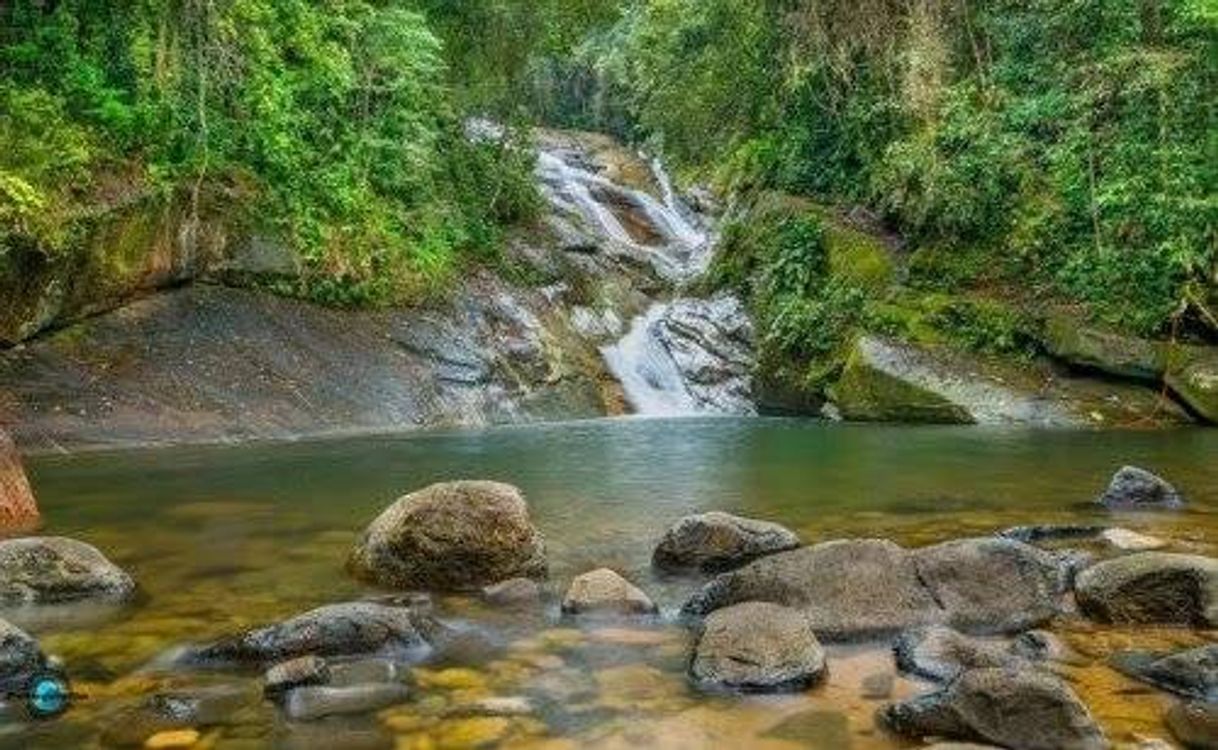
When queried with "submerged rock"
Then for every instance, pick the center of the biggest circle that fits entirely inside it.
(861, 588)
(757, 647)
(715, 542)
(514, 591)
(349, 629)
(303, 670)
(451, 536)
(18, 510)
(318, 701)
(1192, 673)
(940, 653)
(57, 569)
(1026, 709)
(1194, 724)
(604, 591)
(1132, 488)
(1151, 587)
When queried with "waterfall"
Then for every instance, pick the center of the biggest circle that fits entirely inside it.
(643, 364)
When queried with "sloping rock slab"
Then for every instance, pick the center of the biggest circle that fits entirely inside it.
(714, 542)
(349, 629)
(18, 511)
(864, 588)
(1192, 673)
(1025, 709)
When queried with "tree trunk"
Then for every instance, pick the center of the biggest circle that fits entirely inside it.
(18, 511)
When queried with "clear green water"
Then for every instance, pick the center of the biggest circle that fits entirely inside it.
(225, 537)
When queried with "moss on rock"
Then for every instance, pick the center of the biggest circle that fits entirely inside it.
(868, 391)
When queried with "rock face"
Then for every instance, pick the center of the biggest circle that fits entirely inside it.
(605, 592)
(18, 511)
(1024, 709)
(714, 542)
(56, 569)
(861, 588)
(757, 647)
(451, 536)
(711, 341)
(348, 629)
(940, 653)
(1192, 673)
(1106, 351)
(1195, 381)
(1151, 587)
(1132, 488)
(19, 652)
(891, 381)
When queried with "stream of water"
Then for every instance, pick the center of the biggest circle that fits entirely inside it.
(226, 537)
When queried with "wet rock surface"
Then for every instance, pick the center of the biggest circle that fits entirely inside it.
(1014, 708)
(860, 588)
(18, 510)
(1192, 673)
(347, 629)
(1194, 724)
(513, 592)
(715, 541)
(451, 536)
(36, 570)
(1133, 488)
(20, 653)
(1151, 587)
(757, 647)
(940, 653)
(605, 592)
(711, 342)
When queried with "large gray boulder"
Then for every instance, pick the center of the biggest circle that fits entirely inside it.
(1192, 673)
(757, 647)
(348, 629)
(451, 536)
(1015, 708)
(715, 541)
(1151, 587)
(862, 588)
(1132, 488)
(36, 570)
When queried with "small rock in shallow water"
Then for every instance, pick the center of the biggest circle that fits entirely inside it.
(604, 591)
(1132, 488)
(362, 672)
(19, 652)
(1132, 541)
(172, 740)
(304, 670)
(1194, 724)
(1192, 673)
(1149, 588)
(1017, 708)
(57, 569)
(514, 591)
(316, 701)
(757, 646)
(508, 706)
(475, 732)
(941, 654)
(715, 542)
(878, 686)
(348, 629)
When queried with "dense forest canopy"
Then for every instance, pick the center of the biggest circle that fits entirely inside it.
(1066, 148)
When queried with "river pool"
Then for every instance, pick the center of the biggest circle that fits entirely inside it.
(225, 537)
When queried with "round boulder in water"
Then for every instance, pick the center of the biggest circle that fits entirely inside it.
(1151, 587)
(454, 536)
(1132, 488)
(39, 570)
(757, 647)
(605, 592)
(714, 542)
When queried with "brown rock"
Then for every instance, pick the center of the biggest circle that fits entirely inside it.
(18, 510)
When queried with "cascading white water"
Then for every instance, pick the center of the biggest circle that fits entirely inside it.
(649, 375)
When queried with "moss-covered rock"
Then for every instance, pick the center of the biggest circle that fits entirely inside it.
(1067, 337)
(876, 386)
(1195, 381)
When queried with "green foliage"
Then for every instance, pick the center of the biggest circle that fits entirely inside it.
(333, 123)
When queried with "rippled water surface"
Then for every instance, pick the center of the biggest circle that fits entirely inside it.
(222, 538)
